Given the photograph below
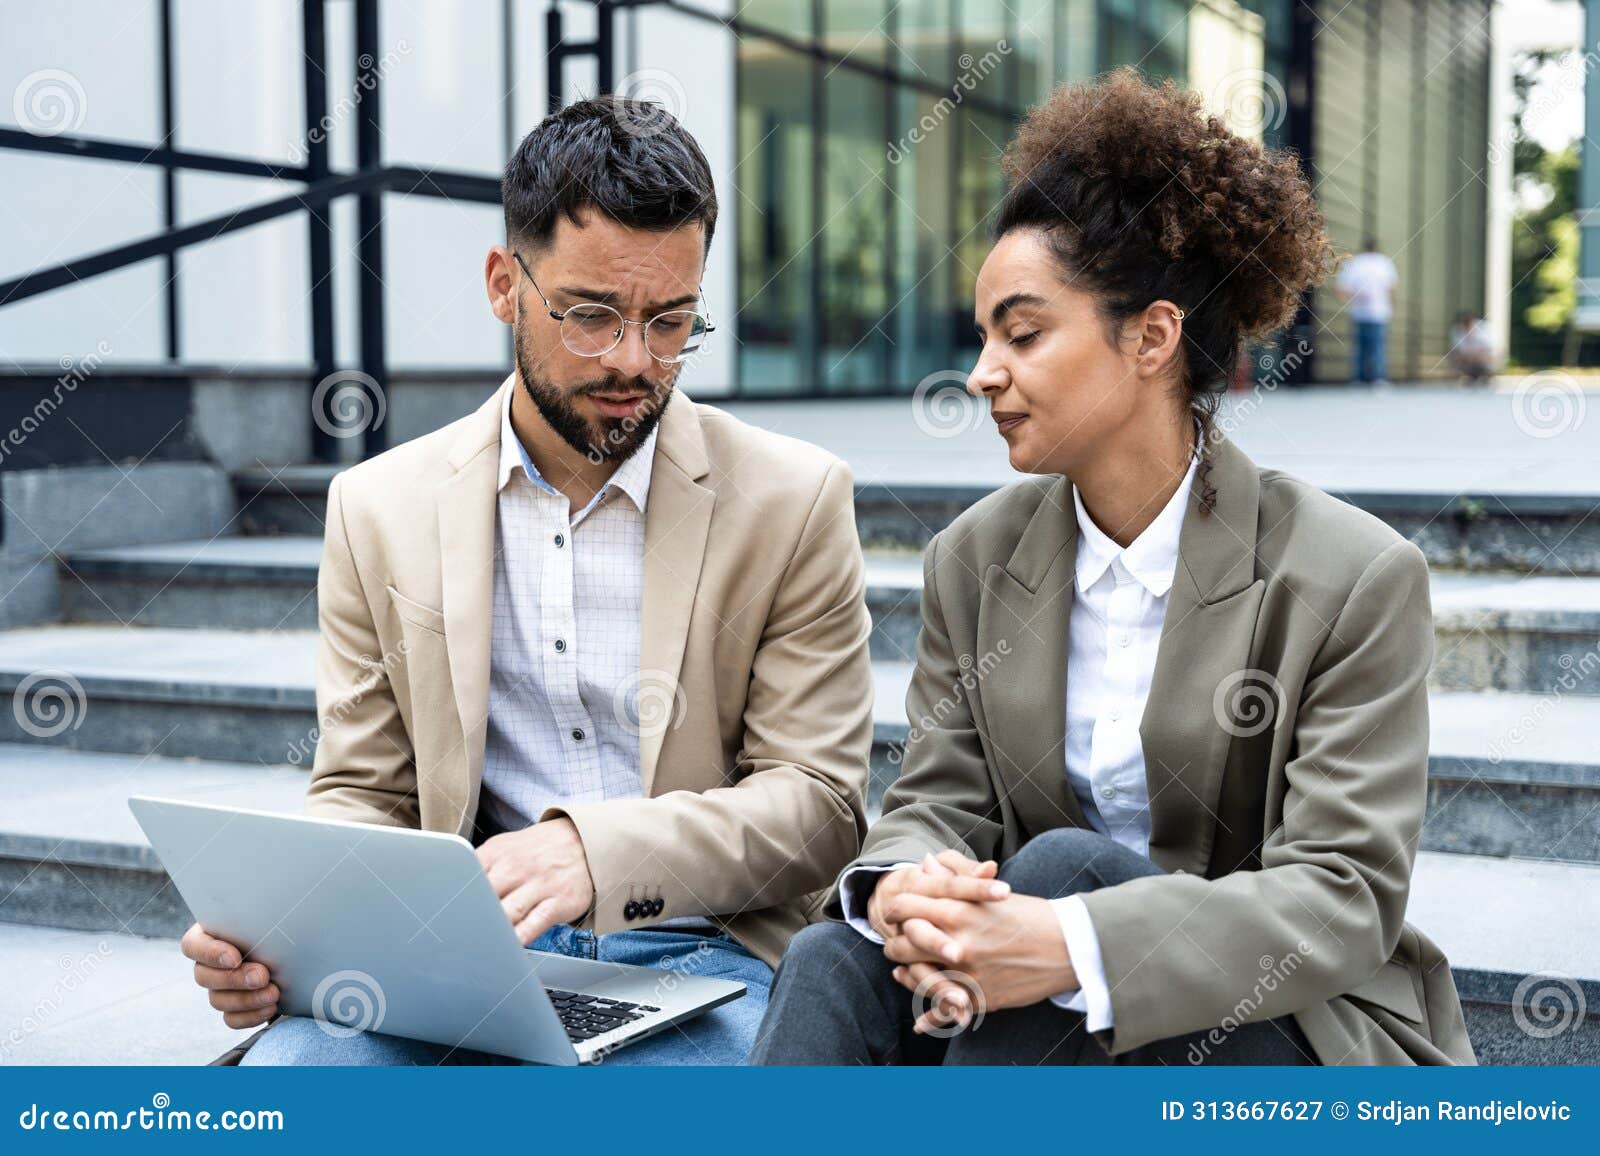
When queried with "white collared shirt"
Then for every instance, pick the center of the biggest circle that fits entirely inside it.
(564, 647)
(1113, 634)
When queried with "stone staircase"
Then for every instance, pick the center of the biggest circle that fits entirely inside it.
(186, 670)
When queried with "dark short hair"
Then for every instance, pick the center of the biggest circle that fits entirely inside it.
(628, 159)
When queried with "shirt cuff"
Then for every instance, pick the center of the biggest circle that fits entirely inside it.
(855, 888)
(1093, 994)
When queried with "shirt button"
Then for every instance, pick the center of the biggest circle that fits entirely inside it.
(577, 735)
(561, 646)
(1122, 639)
(1114, 715)
(561, 540)
(1108, 792)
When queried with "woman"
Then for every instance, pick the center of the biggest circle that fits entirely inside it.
(1169, 740)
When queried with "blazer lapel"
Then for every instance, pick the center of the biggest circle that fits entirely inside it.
(1202, 667)
(676, 524)
(1023, 612)
(466, 507)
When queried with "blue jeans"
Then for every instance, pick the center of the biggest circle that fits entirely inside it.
(723, 1035)
(1372, 352)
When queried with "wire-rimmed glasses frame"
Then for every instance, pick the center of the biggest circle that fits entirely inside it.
(584, 327)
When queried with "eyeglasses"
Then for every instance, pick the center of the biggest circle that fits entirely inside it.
(590, 329)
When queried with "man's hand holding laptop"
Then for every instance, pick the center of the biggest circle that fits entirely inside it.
(539, 873)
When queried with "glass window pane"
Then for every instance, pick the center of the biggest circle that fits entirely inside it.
(983, 65)
(791, 16)
(922, 48)
(922, 324)
(855, 30)
(775, 218)
(854, 235)
(979, 187)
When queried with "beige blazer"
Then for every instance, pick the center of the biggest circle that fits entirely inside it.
(753, 606)
(1286, 751)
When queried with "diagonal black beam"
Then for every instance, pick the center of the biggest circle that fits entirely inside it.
(94, 148)
(160, 244)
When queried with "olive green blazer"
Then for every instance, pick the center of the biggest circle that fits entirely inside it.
(1286, 752)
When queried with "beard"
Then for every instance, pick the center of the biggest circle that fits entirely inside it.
(600, 439)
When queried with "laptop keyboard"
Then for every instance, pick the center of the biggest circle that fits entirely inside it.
(587, 1016)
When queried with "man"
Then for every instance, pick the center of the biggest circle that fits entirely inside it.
(615, 638)
(1366, 283)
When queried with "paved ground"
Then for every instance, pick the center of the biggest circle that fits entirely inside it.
(1432, 439)
(95, 997)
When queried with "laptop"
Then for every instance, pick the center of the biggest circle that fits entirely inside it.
(370, 928)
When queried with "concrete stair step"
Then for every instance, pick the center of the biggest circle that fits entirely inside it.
(1517, 633)
(1519, 937)
(101, 997)
(1530, 532)
(1510, 774)
(238, 583)
(217, 694)
(71, 854)
(1507, 774)
(104, 997)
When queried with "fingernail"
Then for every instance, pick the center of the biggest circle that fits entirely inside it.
(230, 959)
(951, 952)
(258, 976)
(1000, 890)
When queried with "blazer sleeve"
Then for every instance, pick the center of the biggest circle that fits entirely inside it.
(364, 769)
(795, 808)
(944, 797)
(1326, 909)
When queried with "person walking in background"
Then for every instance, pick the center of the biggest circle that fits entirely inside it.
(1366, 283)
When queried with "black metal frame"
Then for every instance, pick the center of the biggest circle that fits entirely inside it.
(371, 178)
(368, 183)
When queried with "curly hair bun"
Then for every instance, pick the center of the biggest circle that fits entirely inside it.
(1158, 197)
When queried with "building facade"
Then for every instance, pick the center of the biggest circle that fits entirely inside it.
(855, 145)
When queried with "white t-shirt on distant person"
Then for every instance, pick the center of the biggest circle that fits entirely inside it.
(1369, 279)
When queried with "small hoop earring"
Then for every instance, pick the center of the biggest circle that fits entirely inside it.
(1179, 314)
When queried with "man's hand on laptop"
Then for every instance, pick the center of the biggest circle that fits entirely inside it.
(243, 992)
(541, 875)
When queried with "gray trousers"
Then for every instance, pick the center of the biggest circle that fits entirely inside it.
(835, 1001)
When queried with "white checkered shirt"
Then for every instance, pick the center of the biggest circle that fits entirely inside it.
(564, 652)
